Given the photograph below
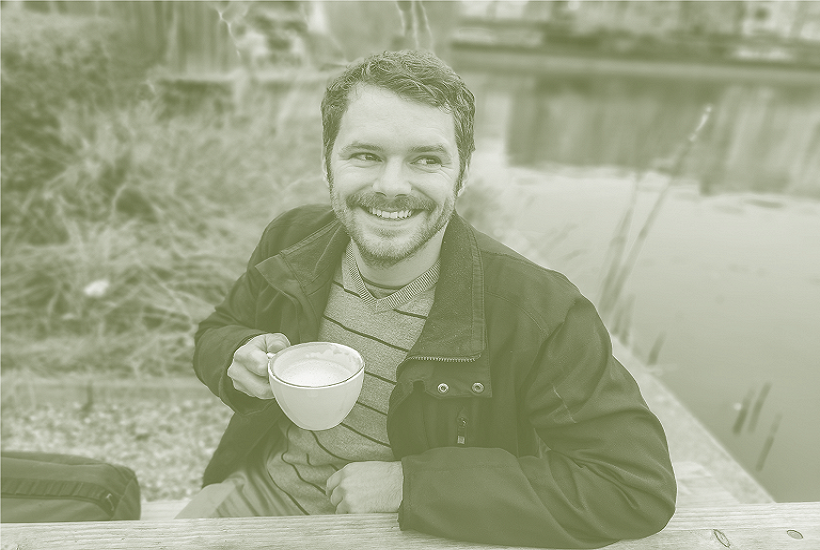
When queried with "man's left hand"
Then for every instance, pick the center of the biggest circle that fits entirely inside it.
(366, 488)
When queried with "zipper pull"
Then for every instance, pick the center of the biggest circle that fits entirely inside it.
(461, 431)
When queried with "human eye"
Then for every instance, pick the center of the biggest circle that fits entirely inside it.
(429, 161)
(365, 156)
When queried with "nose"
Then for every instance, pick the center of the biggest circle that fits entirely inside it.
(393, 180)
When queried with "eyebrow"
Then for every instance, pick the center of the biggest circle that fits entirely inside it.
(361, 146)
(430, 149)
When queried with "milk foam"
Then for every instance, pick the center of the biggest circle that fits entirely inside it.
(314, 372)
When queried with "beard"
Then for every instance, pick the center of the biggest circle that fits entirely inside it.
(384, 246)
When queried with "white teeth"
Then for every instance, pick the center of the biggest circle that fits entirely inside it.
(391, 215)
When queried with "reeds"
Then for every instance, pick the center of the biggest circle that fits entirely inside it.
(621, 258)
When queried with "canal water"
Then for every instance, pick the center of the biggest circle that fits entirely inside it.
(723, 297)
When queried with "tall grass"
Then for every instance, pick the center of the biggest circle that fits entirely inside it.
(112, 262)
(622, 254)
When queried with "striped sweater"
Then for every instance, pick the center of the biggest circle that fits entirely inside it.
(382, 324)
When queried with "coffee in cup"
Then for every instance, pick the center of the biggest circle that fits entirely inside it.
(316, 384)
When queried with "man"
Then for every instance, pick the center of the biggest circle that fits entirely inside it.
(492, 409)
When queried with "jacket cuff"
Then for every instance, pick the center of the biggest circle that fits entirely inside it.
(214, 354)
(404, 507)
(242, 403)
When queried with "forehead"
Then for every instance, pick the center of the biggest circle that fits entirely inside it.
(379, 113)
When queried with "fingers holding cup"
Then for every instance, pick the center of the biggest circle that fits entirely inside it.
(249, 368)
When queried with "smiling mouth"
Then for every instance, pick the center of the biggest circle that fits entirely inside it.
(395, 215)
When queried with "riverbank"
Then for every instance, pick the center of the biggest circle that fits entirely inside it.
(519, 60)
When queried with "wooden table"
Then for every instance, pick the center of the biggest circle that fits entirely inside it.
(751, 526)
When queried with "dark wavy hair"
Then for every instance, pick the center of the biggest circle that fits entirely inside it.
(413, 75)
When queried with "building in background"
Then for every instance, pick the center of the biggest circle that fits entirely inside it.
(767, 30)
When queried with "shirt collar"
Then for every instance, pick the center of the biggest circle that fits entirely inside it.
(353, 279)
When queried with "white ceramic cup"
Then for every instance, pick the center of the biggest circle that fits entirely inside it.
(316, 383)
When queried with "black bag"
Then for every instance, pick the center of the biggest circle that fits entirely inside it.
(43, 487)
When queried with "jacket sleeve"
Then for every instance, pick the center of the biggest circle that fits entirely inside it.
(229, 327)
(606, 476)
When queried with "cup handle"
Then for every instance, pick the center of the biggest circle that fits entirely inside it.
(277, 338)
(282, 339)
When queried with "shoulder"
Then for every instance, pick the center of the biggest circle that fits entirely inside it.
(301, 221)
(295, 225)
(512, 281)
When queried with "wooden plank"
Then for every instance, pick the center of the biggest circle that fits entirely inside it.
(761, 527)
(791, 515)
(698, 488)
(715, 539)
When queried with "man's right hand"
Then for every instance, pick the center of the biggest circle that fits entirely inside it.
(249, 369)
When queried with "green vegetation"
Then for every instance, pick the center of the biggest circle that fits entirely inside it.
(123, 223)
(50, 65)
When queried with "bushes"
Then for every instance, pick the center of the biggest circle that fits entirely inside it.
(117, 258)
(113, 252)
(49, 64)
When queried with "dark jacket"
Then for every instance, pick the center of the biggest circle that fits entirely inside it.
(513, 422)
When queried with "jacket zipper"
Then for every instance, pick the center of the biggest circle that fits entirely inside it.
(461, 427)
(461, 431)
(447, 359)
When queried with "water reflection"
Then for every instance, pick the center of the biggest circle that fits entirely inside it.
(725, 294)
(762, 138)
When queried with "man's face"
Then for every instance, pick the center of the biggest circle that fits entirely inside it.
(393, 172)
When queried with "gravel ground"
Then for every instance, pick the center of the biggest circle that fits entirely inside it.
(166, 443)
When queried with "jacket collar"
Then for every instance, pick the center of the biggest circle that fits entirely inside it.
(455, 327)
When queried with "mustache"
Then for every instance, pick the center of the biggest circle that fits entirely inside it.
(364, 199)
